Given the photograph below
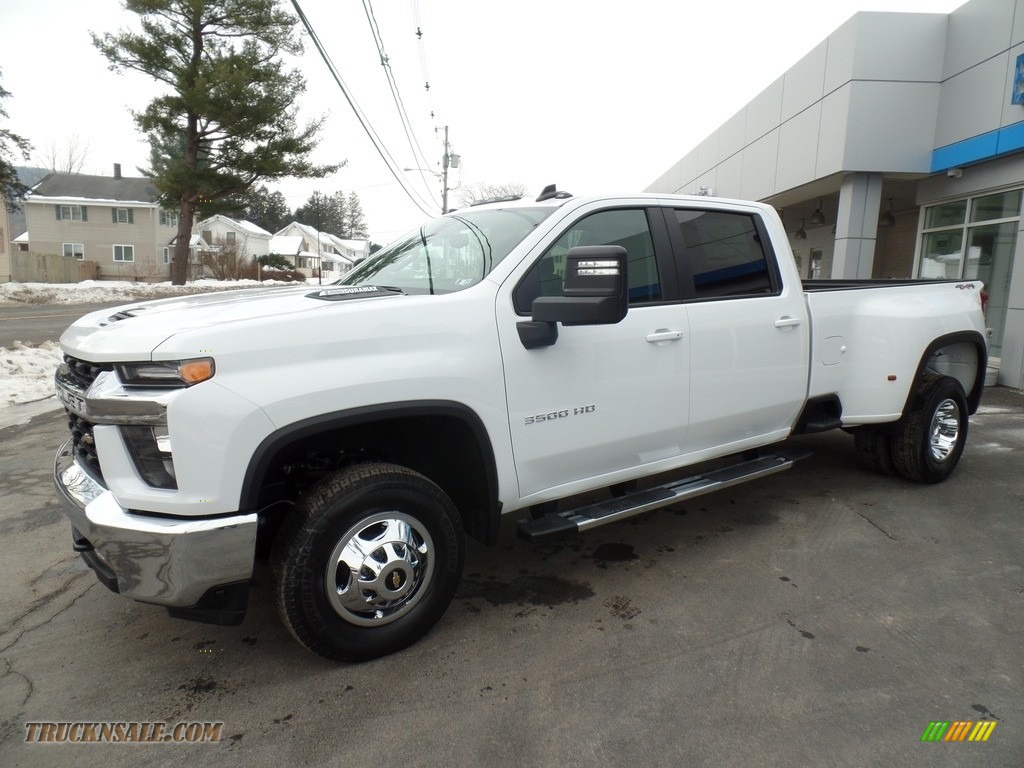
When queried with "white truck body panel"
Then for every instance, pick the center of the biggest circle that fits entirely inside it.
(868, 343)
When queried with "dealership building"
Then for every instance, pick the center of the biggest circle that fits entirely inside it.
(893, 149)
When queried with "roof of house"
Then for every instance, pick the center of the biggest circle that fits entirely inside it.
(353, 248)
(240, 224)
(101, 188)
(356, 246)
(195, 241)
(252, 228)
(305, 229)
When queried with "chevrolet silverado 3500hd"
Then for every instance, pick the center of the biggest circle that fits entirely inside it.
(496, 360)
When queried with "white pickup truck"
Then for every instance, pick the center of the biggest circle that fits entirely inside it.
(499, 360)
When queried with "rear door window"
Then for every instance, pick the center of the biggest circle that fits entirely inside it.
(724, 255)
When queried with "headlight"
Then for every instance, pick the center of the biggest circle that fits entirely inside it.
(170, 373)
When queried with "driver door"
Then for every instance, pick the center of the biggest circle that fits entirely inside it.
(603, 401)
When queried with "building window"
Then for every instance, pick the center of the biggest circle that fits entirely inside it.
(123, 216)
(76, 250)
(167, 255)
(975, 239)
(71, 213)
(229, 238)
(124, 253)
(169, 218)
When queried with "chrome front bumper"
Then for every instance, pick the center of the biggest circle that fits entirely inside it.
(191, 566)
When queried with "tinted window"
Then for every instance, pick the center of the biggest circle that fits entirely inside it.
(724, 254)
(627, 228)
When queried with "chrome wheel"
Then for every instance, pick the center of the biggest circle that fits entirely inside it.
(928, 441)
(367, 562)
(945, 430)
(379, 569)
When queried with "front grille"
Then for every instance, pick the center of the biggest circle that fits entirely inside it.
(82, 440)
(85, 373)
(84, 444)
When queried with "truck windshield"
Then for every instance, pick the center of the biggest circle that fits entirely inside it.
(449, 253)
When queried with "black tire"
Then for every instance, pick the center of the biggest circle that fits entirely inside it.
(367, 562)
(874, 450)
(932, 435)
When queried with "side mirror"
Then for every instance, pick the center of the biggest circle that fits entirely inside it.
(595, 292)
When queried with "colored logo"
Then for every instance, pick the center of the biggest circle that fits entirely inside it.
(1017, 96)
(958, 730)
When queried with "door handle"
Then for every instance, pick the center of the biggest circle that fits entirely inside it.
(786, 321)
(663, 335)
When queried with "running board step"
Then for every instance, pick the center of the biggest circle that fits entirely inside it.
(612, 510)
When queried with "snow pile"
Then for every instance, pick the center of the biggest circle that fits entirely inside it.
(95, 291)
(26, 372)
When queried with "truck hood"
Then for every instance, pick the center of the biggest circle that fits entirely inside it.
(133, 331)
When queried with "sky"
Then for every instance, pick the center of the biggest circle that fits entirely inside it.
(595, 96)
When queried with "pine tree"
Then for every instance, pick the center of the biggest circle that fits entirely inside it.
(324, 212)
(267, 209)
(357, 228)
(11, 189)
(225, 121)
(340, 211)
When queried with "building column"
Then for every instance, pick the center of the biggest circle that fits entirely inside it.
(860, 198)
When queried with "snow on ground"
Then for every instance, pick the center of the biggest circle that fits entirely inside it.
(94, 291)
(26, 370)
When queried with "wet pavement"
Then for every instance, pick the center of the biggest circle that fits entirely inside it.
(823, 616)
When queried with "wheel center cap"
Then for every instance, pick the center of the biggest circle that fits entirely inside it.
(396, 579)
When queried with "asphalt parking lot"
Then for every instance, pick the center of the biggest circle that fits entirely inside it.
(824, 616)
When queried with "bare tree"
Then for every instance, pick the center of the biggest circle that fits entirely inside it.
(69, 158)
(228, 261)
(472, 192)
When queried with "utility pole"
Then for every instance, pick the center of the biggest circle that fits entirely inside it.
(319, 257)
(444, 174)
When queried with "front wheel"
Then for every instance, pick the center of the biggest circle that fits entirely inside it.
(367, 562)
(932, 436)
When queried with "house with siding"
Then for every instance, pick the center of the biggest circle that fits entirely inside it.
(246, 237)
(113, 221)
(321, 251)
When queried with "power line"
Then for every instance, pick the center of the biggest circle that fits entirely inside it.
(403, 116)
(389, 161)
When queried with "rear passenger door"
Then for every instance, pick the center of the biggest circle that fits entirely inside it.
(749, 333)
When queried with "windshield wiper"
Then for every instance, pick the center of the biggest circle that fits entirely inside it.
(426, 252)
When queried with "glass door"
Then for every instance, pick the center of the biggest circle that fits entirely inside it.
(975, 240)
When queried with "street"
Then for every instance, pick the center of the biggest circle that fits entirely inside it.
(36, 323)
(823, 616)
